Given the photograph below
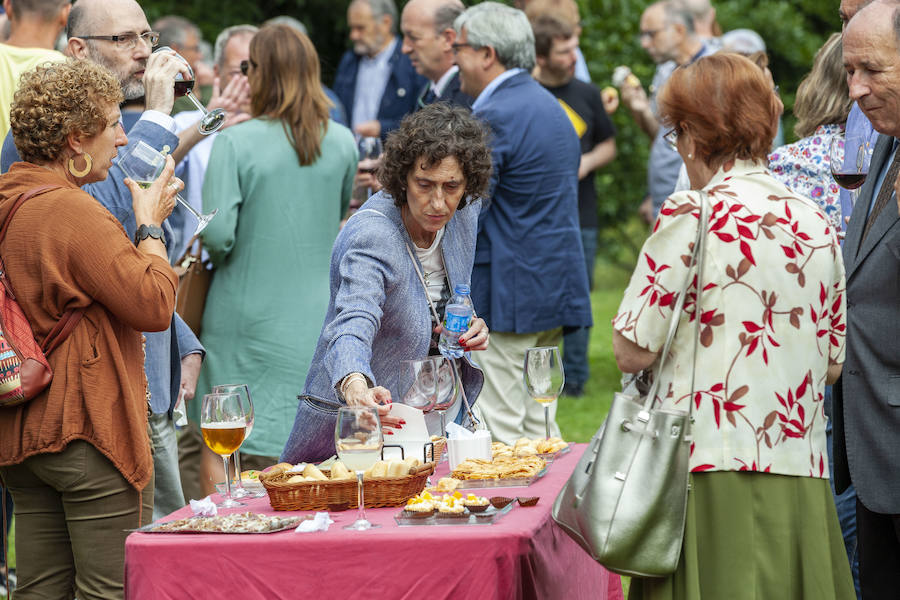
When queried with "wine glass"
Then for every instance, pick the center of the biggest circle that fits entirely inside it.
(243, 390)
(223, 424)
(358, 441)
(143, 163)
(420, 381)
(212, 120)
(370, 149)
(448, 388)
(544, 378)
(849, 156)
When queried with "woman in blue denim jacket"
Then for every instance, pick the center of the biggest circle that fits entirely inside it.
(393, 267)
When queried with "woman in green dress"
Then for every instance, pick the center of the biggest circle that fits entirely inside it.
(282, 182)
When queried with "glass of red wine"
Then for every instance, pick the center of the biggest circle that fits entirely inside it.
(849, 157)
(212, 120)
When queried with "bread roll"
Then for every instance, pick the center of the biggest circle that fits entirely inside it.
(296, 479)
(397, 468)
(312, 472)
(412, 461)
(279, 468)
(379, 469)
(340, 471)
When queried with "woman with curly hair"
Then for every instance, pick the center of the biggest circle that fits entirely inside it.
(397, 257)
(77, 458)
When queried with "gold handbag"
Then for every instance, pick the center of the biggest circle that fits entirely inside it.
(626, 501)
(194, 277)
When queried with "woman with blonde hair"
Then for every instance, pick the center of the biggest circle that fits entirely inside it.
(821, 107)
(282, 182)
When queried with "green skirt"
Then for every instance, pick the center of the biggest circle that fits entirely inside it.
(756, 536)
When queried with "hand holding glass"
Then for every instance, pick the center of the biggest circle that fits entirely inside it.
(212, 120)
(223, 424)
(358, 441)
(143, 163)
(544, 378)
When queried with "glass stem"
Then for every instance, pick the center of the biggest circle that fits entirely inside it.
(196, 102)
(361, 512)
(227, 478)
(443, 426)
(189, 208)
(237, 470)
(547, 420)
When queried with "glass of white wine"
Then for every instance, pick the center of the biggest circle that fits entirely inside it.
(223, 424)
(143, 163)
(544, 378)
(358, 441)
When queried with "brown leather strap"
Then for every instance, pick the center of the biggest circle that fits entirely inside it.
(70, 318)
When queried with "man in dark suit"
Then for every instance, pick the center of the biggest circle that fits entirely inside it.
(428, 38)
(867, 397)
(528, 281)
(375, 82)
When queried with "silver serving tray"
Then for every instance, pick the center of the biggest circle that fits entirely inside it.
(488, 517)
(477, 484)
(289, 523)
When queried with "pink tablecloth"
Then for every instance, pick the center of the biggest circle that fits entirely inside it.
(524, 555)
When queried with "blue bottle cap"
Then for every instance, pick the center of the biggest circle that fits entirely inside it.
(461, 288)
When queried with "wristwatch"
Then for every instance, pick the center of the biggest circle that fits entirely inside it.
(145, 231)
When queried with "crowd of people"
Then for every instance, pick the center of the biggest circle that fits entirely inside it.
(330, 271)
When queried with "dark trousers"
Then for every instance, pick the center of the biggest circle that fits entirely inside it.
(878, 536)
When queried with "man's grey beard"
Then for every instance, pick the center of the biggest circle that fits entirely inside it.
(132, 88)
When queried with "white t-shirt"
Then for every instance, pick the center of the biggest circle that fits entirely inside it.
(433, 270)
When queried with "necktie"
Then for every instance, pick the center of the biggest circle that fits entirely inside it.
(884, 194)
(430, 96)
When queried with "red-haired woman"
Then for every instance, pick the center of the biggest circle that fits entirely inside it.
(761, 520)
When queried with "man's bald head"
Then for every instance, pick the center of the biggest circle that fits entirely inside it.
(849, 8)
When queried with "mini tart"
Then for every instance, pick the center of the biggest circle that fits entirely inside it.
(451, 508)
(476, 503)
(529, 501)
(500, 502)
(417, 507)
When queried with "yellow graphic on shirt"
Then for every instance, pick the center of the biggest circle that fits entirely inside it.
(577, 122)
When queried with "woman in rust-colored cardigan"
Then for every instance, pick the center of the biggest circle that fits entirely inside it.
(77, 457)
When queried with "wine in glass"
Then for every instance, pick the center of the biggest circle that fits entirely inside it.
(143, 163)
(849, 156)
(370, 149)
(243, 390)
(223, 424)
(358, 441)
(212, 120)
(544, 378)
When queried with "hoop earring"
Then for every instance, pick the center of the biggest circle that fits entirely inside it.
(88, 163)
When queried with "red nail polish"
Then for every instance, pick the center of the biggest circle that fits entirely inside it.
(388, 433)
(403, 422)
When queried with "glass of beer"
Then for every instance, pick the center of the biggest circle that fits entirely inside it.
(544, 378)
(358, 441)
(243, 390)
(223, 424)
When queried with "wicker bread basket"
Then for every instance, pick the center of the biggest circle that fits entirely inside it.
(341, 494)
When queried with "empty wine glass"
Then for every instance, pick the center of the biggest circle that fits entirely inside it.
(223, 424)
(544, 378)
(849, 156)
(448, 388)
(212, 120)
(419, 378)
(358, 441)
(143, 163)
(243, 390)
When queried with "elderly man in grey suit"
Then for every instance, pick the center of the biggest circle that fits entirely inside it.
(867, 398)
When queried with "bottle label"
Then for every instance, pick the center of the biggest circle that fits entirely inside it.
(457, 322)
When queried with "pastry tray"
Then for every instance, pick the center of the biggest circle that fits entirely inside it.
(474, 484)
(287, 523)
(488, 517)
(553, 455)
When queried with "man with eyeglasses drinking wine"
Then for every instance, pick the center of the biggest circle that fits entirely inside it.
(116, 35)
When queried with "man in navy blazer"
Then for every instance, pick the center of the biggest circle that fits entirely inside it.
(375, 82)
(867, 397)
(529, 281)
(428, 38)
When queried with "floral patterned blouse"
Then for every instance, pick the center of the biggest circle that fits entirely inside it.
(803, 166)
(772, 315)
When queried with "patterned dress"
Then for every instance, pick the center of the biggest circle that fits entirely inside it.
(803, 166)
(772, 315)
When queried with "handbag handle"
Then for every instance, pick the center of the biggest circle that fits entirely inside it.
(697, 259)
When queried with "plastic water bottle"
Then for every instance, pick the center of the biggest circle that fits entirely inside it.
(457, 316)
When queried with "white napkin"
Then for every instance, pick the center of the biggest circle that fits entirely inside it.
(297, 468)
(318, 523)
(204, 508)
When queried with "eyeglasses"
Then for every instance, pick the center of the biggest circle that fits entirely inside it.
(126, 41)
(456, 46)
(671, 138)
(245, 66)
